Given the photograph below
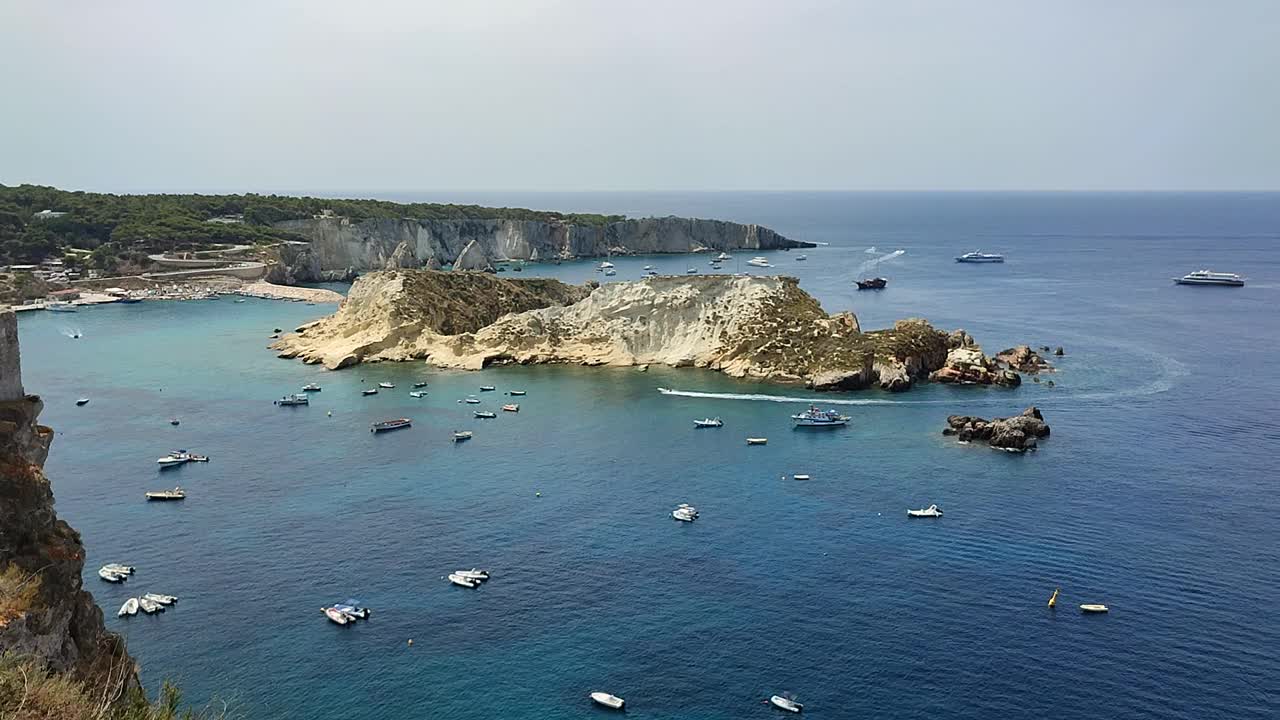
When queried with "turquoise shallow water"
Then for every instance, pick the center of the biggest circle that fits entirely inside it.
(1155, 495)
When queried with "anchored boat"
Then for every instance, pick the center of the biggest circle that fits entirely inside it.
(613, 702)
(296, 399)
(877, 283)
(175, 494)
(511, 407)
(461, 436)
(130, 607)
(1094, 608)
(786, 703)
(708, 423)
(390, 425)
(930, 512)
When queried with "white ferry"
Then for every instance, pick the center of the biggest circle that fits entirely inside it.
(1208, 277)
(980, 257)
(813, 417)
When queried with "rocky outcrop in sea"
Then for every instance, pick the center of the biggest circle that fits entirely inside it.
(339, 249)
(1019, 433)
(756, 327)
(44, 611)
(966, 364)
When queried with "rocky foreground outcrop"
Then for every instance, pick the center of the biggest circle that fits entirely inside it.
(758, 327)
(1019, 433)
(966, 364)
(44, 612)
(339, 249)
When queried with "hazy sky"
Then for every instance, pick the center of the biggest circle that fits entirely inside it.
(651, 95)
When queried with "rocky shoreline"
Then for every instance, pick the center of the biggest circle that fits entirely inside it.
(761, 327)
(338, 248)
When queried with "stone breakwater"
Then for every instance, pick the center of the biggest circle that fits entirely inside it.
(339, 249)
(44, 611)
(754, 327)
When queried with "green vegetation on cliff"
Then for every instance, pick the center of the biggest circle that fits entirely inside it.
(156, 222)
(30, 692)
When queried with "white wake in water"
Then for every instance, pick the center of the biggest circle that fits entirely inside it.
(873, 250)
(69, 331)
(869, 265)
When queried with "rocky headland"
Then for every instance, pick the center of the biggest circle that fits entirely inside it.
(1019, 433)
(340, 248)
(755, 327)
(45, 614)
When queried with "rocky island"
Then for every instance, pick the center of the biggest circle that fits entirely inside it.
(1019, 433)
(762, 327)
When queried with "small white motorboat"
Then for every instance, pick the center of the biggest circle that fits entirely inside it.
(800, 477)
(930, 512)
(419, 384)
(386, 385)
(801, 258)
(162, 599)
(175, 494)
(417, 394)
(757, 441)
(369, 391)
(473, 574)
(471, 400)
(293, 400)
(691, 271)
(461, 436)
(511, 407)
(112, 577)
(786, 703)
(759, 261)
(172, 460)
(149, 606)
(648, 267)
(130, 607)
(1094, 608)
(336, 615)
(82, 401)
(485, 414)
(311, 387)
(605, 265)
(685, 513)
(352, 609)
(487, 388)
(708, 423)
(516, 392)
(613, 702)
(461, 581)
(118, 568)
(610, 271)
(724, 256)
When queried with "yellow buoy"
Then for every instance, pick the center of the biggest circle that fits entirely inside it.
(1053, 601)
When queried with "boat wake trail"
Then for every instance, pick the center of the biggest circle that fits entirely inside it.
(873, 250)
(869, 265)
(71, 332)
(789, 399)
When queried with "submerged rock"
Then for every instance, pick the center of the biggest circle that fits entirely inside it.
(1018, 433)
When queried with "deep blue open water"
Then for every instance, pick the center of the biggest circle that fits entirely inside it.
(1156, 493)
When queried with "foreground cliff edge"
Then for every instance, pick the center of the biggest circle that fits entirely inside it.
(46, 617)
(764, 327)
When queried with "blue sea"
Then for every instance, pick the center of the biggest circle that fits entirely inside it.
(1155, 494)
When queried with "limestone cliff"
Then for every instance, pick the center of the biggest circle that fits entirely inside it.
(760, 327)
(340, 248)
(44, 611)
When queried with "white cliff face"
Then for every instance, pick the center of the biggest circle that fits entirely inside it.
(341, 248)
(761, 327)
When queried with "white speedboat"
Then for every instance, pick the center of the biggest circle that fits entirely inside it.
(420, 384)
(813, 417)
(352, 609)
(691, 271)
(472, 400)
(980, 257)
(172, 460)
(648, 267)
(112, 577)
(311, 387)
(802, 257)
(517, 392)
(461, 436)
(149, 606)
(474, 574)
(336, 615)
(724, 256)
(610, 271)
(487, 388)
(118, 568)
(1094, 608)
(82, 401)
(759, 261)
(757, 441)
(417, 394)
(685, 513)
(511, 407)
(800, 477)
(708, 423)
(613, 702)
(786, 703)
(59, 307)
(1209, 277)
(161, 599)
(485, 414)
(386, 385)
(130, 607)
(606, 265)
(295, 399)
(461, 581)
(930, 512)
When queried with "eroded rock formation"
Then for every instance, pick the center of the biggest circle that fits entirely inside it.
(966, 364)
(760, 327)
(1019, 433)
